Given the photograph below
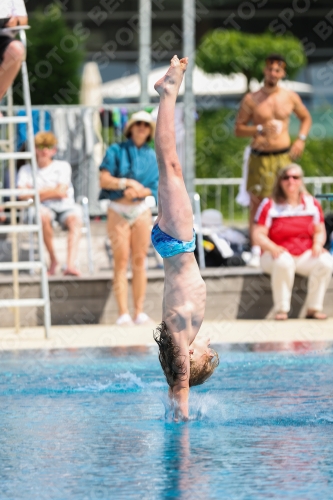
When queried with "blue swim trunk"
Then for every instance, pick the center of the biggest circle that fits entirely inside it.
(167, 246)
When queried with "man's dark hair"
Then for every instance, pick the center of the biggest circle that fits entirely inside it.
(276, 58)
(173, 364)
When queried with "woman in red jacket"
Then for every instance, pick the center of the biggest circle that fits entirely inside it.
(291, 233)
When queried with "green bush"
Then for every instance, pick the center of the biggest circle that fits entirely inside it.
(218, 152)
(229, 51)
(54, 59)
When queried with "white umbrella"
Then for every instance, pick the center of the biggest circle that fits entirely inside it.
(204, 84)
(91, 85)
(91, 95)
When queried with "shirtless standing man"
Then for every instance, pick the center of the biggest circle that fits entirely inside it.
(269, 110)
(185, 361)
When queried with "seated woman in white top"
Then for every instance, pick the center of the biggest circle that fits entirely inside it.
(291, 233)
(12, 53)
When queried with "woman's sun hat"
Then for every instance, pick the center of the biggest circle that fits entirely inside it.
(140, 116)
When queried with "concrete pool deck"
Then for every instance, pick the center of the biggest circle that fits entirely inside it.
(220, 332)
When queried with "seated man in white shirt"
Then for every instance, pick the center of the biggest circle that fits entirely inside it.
(12, 53)
(57, 199)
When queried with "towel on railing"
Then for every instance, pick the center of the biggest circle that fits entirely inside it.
(243, 197)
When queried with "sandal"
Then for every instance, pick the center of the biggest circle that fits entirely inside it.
(316, 315)
(281, 316)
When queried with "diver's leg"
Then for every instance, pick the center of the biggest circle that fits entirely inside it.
(177, 216)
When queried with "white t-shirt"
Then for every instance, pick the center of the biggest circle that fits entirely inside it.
(11, 8)
(58, 172)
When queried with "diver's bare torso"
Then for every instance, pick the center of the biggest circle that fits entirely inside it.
(184, 297)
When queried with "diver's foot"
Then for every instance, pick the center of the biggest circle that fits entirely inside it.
(169, 84)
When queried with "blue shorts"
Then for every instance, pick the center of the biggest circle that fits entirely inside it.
(167, 246)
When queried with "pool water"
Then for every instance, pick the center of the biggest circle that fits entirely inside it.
(92, 424)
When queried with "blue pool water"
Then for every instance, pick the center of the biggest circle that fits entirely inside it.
(90, 424)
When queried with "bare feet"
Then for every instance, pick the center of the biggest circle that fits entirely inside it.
(281, 316)
(311, 314)
(169, 84)
(2, 213)
(53, 267)
(72, 271)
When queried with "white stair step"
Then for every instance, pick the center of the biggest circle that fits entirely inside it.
(18, 204)
(22, 302)
(25, 155)
(20, 266)
(24, 228)
(17, 192)
(6, 120)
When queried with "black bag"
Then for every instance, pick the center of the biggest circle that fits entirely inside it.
(3, 22)
(213, 256)
(329, 230)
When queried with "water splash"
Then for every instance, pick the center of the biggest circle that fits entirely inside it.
(131, 379)
(121, 382)
(202, 407)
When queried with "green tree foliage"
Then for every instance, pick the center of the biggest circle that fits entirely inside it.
(228, 51)
(218, 152)
(54, 59)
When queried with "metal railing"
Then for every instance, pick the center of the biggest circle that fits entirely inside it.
(75, 128)
(84, 133)
(221, 195)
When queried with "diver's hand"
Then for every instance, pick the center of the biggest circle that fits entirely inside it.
(180, 397)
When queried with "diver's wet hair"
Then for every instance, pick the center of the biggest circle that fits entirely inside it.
(173, 363)
(200, 373)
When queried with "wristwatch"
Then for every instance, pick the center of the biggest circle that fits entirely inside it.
(302, 137)
(260, 128)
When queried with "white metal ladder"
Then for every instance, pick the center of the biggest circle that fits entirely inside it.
(13, 228)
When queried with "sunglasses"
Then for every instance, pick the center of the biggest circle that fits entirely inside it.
(44, 146)
(287, 177)
(139, 123)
